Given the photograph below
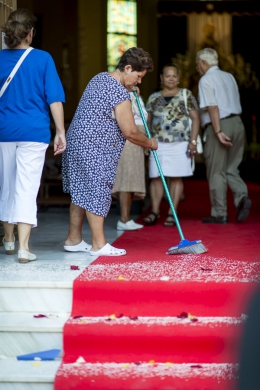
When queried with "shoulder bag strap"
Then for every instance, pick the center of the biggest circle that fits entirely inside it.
(15, 69)
(184, 91)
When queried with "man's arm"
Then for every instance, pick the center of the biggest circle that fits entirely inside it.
(215, 120)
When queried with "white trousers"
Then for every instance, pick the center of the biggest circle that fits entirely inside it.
(21, 165)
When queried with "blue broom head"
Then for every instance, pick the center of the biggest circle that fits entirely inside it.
(187, 247)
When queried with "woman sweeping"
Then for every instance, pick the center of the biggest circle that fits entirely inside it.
(95, 139)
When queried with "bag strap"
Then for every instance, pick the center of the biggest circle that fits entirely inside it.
(184, 91)
(15, 69)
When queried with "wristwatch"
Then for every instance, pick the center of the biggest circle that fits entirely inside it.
(193, 142)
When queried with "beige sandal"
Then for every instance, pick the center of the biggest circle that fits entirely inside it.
(9, 246)
(25, 256)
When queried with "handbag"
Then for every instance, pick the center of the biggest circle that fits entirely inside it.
(15, 69)
(199, 141)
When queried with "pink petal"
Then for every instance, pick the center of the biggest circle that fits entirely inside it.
(74, 267)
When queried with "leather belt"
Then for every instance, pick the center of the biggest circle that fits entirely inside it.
(226, 117)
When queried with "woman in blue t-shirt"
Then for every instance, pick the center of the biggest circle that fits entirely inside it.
(25, 102)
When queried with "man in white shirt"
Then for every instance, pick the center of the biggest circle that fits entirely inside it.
(224, 131)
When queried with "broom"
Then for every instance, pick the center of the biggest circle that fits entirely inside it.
(185, 246)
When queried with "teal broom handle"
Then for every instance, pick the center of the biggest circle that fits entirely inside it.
(160, 169)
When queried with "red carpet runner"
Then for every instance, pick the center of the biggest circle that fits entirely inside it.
(153, 321)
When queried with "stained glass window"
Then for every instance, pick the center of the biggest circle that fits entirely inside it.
(121, 29)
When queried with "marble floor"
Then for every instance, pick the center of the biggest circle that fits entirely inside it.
(43, 286)
(47, 240)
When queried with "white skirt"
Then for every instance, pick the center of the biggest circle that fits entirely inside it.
(173, 160)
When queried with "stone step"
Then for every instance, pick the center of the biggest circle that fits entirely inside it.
(22, 333)
(35, 297)
(27, 375)
(178, 340)
(146, 375)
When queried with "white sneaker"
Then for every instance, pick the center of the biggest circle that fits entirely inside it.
(130, 225)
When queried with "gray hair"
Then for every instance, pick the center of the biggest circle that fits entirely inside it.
(208, 55)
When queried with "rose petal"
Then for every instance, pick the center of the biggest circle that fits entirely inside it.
(206, 269)
(194, 319)
(183, 315)
(40, 316)
(75, 317)
(196, 366)
(120, 315)
(134, 318)
(74, 267)
(138, 363)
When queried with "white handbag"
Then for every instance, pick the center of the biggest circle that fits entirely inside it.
(199, 141)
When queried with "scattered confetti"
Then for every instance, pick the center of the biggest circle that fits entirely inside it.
(151, 361)
(121, 278)
(165, 278)
(80, 360)
(169, 364)
(112, 316)
(125, 365)
(36, 364)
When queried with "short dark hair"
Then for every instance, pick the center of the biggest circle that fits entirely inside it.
(169, 65)
(18, 26)
(138, 59)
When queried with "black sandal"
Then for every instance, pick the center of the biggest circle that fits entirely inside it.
(149, 220)
(169, 223)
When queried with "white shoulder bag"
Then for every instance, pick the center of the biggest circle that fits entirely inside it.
(199, 142)
(15, 69)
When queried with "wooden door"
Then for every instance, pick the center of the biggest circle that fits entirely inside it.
(6, 7)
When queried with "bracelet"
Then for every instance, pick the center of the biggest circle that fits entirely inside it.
(217, 132)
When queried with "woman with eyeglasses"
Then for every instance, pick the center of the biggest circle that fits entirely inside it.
(26, 99)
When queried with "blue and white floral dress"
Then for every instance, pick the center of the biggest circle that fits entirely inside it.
(94, 145)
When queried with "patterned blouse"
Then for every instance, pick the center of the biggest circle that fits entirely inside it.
(170, 121)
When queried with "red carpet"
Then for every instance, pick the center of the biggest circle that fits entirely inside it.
(154, 321)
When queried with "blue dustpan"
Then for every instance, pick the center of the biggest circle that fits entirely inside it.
(51, 354)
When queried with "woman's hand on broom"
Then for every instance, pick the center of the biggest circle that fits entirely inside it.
(135, 89)
(154, 144)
